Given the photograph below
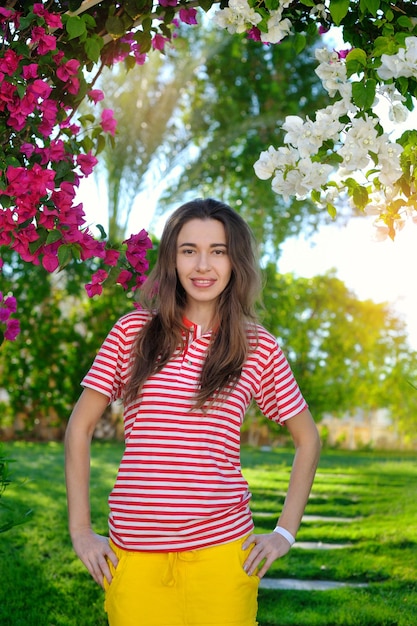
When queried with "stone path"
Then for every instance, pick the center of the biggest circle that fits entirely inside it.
(311, 585)
(319, 545)
(304, 585)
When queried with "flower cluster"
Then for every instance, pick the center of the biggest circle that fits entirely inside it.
(43, 158)
(345, 150)
(11, 326)
(242, 16)
(47, 150)
(338, 136)
(131, 265)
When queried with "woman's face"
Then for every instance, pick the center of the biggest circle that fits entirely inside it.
(203, 263)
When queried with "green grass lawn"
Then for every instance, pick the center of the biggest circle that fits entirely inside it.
(43, 584)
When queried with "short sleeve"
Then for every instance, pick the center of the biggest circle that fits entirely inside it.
(110, 370)
(278, 395)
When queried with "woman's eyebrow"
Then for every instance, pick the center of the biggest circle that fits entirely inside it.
(194, 245)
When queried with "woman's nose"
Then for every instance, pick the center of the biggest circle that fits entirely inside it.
(203, 262)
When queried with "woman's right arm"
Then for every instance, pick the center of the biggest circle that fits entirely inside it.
(92, 549)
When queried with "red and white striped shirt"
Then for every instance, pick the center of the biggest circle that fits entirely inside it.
(179, 484)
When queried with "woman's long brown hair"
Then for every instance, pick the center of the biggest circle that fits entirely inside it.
(163, 295)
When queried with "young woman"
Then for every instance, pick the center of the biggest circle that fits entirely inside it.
(182, 550)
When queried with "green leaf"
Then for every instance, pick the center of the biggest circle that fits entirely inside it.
(384, 45)
(64, 255)
(371, 5)
(300, 42)
(338, 10)
(53, 236)
(357, 55)
(272, 5)
(87, 119)
(103, 233)
(93, 46)
(405, 22)
(331, 210)
(363, 93)
(88, 20)
(101, 143)
(206, 4)
(360, 197)
(356, 61)
(115, 27)
(75, 27)
(87, 144)
(316, 195)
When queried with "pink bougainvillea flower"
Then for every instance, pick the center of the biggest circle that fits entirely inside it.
(7, 94)
(4, 314)
(108, 123)
(94, 288)
(27, 149)
(53, 20)
(254, 33)
(50, 262)
(40, 89)
(96, 95)
(73, 85)
(112, 257)
(137, 245)
(188, 16)
(342, 54)
(57, 150)
(68, 69)
(168, 3)
(123, 279)
(45, 43)
(86, 163)
(11, 303)
(139, 280)
(9, 62)
(12, 329)
(49, 110)
(5, 14)
(30, 71)
(158, 42)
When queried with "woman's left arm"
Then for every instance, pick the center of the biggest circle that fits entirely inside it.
(267, 548)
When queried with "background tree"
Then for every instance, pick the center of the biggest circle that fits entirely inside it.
(346, 353)
(148, 102)
(240, 97)
(192, 123)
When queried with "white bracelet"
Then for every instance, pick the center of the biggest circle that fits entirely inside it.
(285, 533)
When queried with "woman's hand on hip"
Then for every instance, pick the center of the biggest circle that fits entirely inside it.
(95, 552)
(266, 549)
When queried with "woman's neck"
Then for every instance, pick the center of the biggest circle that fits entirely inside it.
(202, 318)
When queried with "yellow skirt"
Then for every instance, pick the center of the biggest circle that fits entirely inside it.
(206, 587)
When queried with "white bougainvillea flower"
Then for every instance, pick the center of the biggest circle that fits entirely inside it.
(278, 29)
(389, 160)
(237, 17)
(271, 160)
(403, 63)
